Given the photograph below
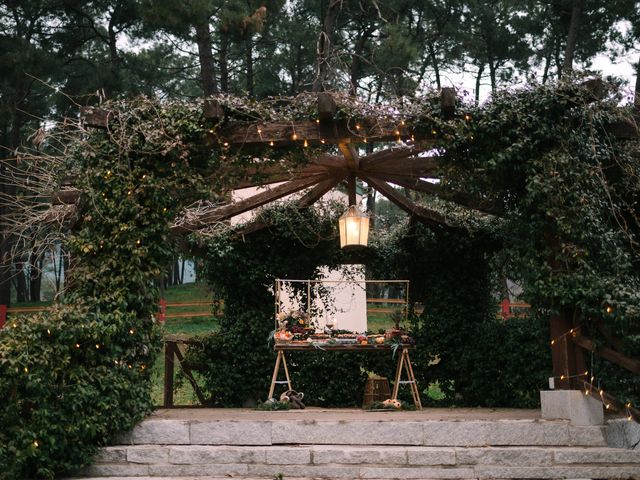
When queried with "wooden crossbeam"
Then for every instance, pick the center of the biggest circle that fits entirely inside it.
(316, 133)
(351, 155)
(618, 358)
(227, 211)
(460, 198)
(284, 176)
(412, 166)
(375, 158)
(305, 201)
(427, 215)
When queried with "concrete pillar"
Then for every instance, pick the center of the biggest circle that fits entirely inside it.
(572, 405)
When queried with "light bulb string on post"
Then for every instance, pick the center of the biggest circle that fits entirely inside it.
(573, 332)
(608, 401)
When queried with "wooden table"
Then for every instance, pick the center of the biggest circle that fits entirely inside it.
(404, 363)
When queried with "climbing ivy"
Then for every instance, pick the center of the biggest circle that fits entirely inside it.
(75, 377)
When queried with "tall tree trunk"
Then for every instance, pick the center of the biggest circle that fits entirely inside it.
(324, 45)
(114, 58)
(248, 51)
(478, 79)
(492, 76)
(356, 60)
(224, 60)
(636, 97)
(207, 69)
(21, 283)
(35, 278)
(572, 37)
(176, 271)
(9, 190)
(547, 64)
(434, 63)
(57, 268)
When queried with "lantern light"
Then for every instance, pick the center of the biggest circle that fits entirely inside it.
(354, 229)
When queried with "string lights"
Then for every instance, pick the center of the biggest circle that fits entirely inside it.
(608, 401)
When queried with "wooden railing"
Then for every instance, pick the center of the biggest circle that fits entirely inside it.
(611, 355)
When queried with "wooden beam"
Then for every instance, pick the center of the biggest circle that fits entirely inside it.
(618, 358)
(326, 107)
(373, 159)
(212, 110)
(295, 133)
(305, 201)
(351, 155)
(275, 176)
(608, 399)
(460, 198)
(625, 129)
(351, 189)
(94, 117)
(318, 191)
(448, 102)
(428, 216)
(65, 196)
(227, 211)
(414, 166)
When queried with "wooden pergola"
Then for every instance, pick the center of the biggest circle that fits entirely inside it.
(405, 161)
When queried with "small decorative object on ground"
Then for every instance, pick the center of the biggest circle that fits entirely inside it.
(391, 404)
(272, 404)
(293, 398)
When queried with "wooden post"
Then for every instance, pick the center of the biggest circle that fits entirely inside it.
(563, 351)
(168, 373)
(352, 189)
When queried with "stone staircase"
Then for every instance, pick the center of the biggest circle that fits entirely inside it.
(383, 447)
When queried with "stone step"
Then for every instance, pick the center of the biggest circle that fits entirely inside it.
(371, 462)
(310, 432)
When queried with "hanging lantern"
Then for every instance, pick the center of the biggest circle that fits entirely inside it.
(354, 229)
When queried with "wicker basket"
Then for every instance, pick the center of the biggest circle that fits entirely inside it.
(375, 390)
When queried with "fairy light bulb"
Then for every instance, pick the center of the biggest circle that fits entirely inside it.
(294, 136)
(35, 444)
(271, 143)
(26, 369)
(306, 144)
(77, 345)
(131, 331)
(97, 346)
(322, 141)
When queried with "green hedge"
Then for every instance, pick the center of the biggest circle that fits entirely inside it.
(483, 361)
(63, 392)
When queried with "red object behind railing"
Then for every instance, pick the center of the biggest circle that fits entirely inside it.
(162, 312)
(3, 315)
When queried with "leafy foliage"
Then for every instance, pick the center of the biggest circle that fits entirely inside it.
(75, 377)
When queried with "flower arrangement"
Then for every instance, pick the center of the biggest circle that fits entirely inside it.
(294, 321)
